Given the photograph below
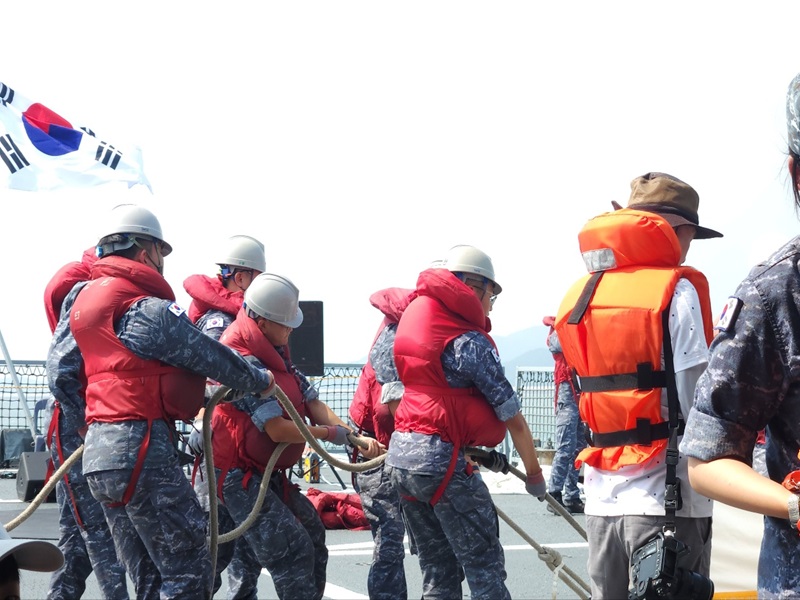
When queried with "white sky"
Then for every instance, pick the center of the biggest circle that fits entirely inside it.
(359, 140)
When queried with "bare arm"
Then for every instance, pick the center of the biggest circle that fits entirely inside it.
(733, 482)
(284, 430)
(321, 413)
(523, 442)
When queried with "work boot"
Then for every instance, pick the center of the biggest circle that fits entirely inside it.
(575, 507)
(557, 497)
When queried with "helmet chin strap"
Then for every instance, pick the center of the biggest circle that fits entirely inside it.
(158, 266)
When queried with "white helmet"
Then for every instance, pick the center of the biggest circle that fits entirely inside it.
(468, 259)
(275, 298)
(135, 220)
(243, 251)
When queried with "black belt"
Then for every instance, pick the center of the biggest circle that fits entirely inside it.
(644, 434)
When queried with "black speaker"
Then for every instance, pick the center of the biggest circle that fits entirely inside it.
(31, 475)
(306, 344)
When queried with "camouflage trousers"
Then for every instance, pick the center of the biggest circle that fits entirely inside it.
(237, 556)
(570, 440)
(460, 530)
(387, 577)
(288, 536)
(160, 535)
(89, 546)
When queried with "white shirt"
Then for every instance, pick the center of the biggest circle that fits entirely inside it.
(639, 489)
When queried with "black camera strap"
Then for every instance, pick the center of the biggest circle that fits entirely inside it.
(672, 497)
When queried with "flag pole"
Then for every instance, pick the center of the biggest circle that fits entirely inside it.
(20, 393)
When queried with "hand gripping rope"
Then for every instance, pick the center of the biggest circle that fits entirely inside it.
(550, 556)
(224, 395)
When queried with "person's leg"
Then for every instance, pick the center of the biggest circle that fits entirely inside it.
(469, 520)
(108, 487)
(309, 518)
(441, 572)
(565, 444)
(387, 577)
(108, 568)
(70, 580)
(277, 538)
(608, 557)
(167, 516)
(243, 570)
(572, 445)
(695, 533)
(93, 529)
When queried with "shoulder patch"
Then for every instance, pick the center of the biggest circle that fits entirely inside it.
(731, 310)
(215, 323)
(496, 355)
(176, 310)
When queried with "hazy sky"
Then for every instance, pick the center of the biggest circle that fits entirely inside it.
(360, 140)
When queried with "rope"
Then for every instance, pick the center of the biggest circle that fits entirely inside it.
(45, 492)
(215, 538)
(551, 557)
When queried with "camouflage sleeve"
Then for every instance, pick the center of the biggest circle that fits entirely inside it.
(743, 385)
(64, 366)
(553, 343)
(156, 329)
(471, 360)
(392, 391)
(381, 356)
(214, 323)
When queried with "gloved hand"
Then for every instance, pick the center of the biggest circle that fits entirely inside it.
(270, 391)
(496, 462)
(195, 441)
(337, 435)
(535, 485)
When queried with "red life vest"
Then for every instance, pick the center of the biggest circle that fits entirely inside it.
(237, 442)
(443, 309)
(366, 409)
(55, 292)
(62, 282)
(208, 293)
(121, 386)
(610, 325)
(338, 510)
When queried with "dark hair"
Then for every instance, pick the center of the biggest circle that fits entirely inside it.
(117, 238)
(9, 570)
(793, 176)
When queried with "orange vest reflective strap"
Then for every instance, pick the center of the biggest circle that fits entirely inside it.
(611, 331)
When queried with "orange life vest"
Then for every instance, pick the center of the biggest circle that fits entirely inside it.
(611, 328)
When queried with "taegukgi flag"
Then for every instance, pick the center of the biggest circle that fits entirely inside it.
(41, 151)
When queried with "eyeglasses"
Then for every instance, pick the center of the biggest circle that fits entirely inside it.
(483, 291)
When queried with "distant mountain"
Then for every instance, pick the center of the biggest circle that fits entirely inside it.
(526, 348)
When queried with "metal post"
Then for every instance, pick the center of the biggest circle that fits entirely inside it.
(20, 393)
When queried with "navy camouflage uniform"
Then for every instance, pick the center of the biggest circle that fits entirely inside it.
(462, 527)
(241, 562)
(570, 438)
(84, 537)
(752, 381)
(381, 503)
(288, 536)
(160, 534)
